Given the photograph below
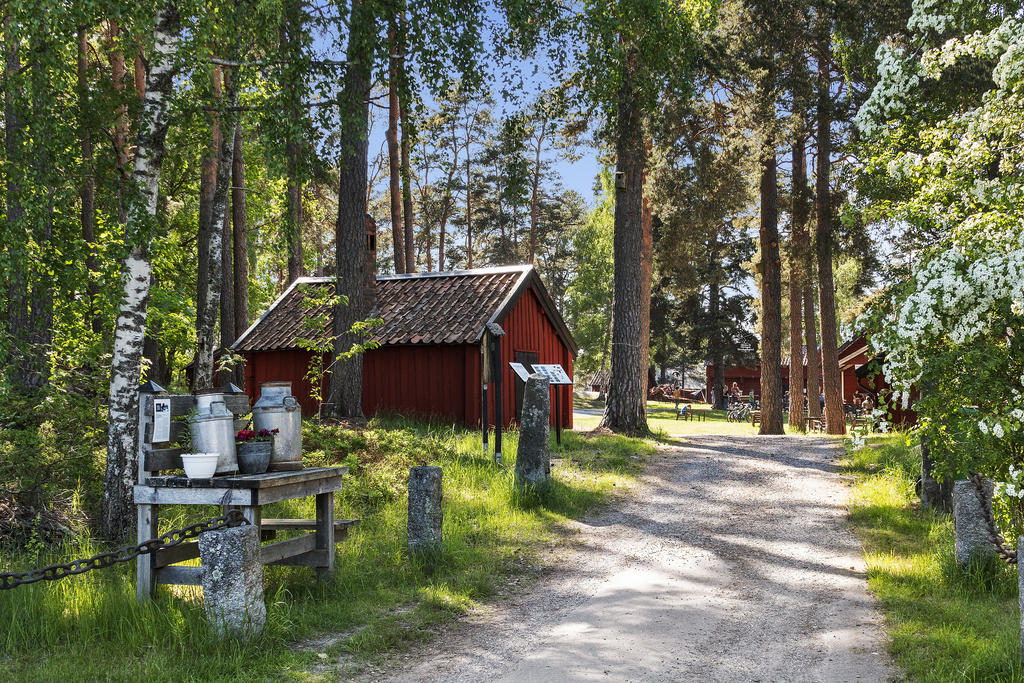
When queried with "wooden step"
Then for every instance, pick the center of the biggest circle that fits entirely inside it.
(269, 527)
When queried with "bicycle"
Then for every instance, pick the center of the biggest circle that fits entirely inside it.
(740, 412)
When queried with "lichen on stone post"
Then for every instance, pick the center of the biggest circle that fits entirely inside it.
(533, 458)
(971, 538)
(232, 579)
(425, 514)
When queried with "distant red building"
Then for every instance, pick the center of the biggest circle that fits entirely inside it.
(429, 361)
(749, 378)
(862, 372)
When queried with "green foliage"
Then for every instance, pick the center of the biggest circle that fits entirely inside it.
(51, 459)
(589, 297)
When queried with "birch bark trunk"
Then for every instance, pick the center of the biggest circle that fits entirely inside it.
(126, 366)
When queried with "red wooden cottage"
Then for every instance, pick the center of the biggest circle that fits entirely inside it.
(429, 361)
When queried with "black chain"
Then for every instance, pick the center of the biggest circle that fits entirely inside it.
(128, 553)
(1005, 552)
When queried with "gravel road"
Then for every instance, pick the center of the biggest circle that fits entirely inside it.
(731, 561)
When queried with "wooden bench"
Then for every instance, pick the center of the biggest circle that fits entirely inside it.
(755, 417)
(247, 493)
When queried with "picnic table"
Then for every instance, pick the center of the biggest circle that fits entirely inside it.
(690, 413)
(247, 493)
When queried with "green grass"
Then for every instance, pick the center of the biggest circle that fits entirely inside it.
(946, 624)
(89, 627)
(661, 418)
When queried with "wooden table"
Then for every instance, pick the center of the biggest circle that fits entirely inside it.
(248, 493)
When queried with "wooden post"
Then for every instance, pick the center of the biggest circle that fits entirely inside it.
(325, 534)
(558, 415)
(496, 368)
(483, 415)
(147, 516)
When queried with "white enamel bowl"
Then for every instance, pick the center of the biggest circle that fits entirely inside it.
(199, 465)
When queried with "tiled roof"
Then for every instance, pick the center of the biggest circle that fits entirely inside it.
(428, 308)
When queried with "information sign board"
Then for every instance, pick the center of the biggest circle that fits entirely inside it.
(520, 370)
(555, 373)
(161, 420)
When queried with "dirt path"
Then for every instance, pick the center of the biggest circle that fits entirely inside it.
(730, 562)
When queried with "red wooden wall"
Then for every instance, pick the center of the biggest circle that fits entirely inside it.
(527, 328)
(431, 380)
(421, 381)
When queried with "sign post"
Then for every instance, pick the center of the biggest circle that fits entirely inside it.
(557, 378)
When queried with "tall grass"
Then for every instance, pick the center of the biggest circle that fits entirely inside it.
(90, 627)
(946, 623)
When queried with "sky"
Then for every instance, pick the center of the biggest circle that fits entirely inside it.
(523, 78)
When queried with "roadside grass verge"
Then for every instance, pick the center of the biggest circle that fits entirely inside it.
(946, 624)
(89, 627)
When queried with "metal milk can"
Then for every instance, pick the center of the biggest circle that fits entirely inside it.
(278, 409)
(213, 431)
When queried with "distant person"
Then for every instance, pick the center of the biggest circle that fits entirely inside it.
(821, 399)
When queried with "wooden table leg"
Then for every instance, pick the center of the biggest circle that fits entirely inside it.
(147, 522)
(325, 534)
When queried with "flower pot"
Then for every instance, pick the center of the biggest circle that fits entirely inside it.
(199, 465)
(254, 456)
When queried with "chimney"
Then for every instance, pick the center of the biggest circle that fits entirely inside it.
(371, 262)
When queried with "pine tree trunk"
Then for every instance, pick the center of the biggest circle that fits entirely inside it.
(291, 44)
(770, 266)
(469, 205)
(120, 131)
(811, 333)
(771, 298)
(206, 334)
(17, 316)
(36, 372)
(206, 231)
(835, 417)
(446, 207)
(406, 128)
(535, 191)
(796, 285)
(716, 347)
(240, 234)
(346, 382)
(227, 285)
(394, 161)
(119, 477)
(624, 411)
(87, 192)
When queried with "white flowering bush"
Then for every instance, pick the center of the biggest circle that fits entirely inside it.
(944, 142)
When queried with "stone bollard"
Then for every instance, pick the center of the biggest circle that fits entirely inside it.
(425, 515)
(533, 459)
(233, 581)
(971, 533)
